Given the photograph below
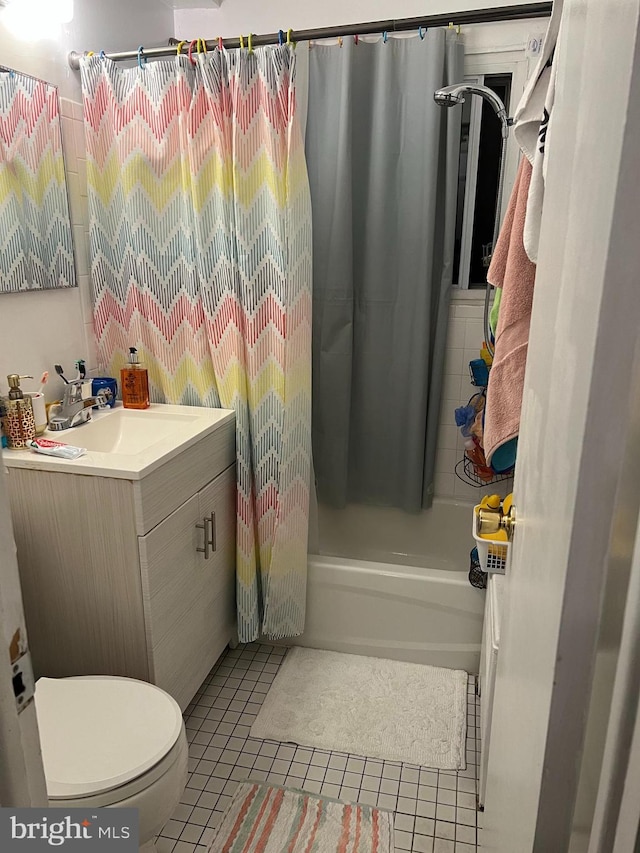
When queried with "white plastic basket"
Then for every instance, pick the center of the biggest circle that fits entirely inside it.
(492, 553)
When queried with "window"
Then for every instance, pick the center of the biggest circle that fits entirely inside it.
(478, 180)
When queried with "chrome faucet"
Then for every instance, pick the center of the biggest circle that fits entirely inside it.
(74, 409)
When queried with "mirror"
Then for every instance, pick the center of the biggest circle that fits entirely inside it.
(36, 244)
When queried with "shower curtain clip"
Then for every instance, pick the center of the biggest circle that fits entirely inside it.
(340, 40)
(422, 33)
(450, 25)
(385, 36)
(280, 37)
(289, 41)
(92, 53)
(181, 44)
(241, 42)
(250, 42)
(220, 43)
(102, 54)
(458, 29)
(356, 39)
(190, 54)
(202, 44)
(141, 57)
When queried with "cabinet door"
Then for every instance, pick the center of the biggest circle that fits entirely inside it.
(189, 596)
(217, 615)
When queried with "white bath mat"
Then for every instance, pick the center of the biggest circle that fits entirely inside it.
(367, 706)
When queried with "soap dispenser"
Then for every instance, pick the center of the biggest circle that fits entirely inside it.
(18, 422)
(134, 381)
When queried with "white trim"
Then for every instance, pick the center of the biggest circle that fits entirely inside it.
(629, 812)
(617, 810)
(574, 437)
(476, 294)
(22, 780)
(507, 48)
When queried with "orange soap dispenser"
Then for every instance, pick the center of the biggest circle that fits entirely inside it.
(134, 381)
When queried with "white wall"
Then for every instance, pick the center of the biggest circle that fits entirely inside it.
(39, 329)
(96, 25)
(241, 16)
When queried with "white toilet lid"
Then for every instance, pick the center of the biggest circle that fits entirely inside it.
(100, 732)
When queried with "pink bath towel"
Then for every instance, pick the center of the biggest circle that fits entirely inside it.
(511, 270)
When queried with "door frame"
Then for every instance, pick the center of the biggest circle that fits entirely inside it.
(22, 780)
(585, 303)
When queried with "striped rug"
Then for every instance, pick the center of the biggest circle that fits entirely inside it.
(268, 819)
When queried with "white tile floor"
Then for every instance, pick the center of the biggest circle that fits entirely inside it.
(435, 811)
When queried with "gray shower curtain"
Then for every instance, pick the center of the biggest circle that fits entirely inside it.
(383, 168)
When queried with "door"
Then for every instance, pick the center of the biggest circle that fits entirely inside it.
(22, 780)
(575, 432)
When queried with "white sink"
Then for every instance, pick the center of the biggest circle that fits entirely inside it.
(124, 431)
(125, 443)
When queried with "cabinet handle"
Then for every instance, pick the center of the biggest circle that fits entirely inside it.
(207, 543)
(214, 537)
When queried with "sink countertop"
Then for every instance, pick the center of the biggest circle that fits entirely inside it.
(136, 446)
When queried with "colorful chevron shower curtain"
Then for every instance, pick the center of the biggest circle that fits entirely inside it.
(200, 235)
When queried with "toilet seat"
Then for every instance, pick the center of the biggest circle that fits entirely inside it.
(101, 733)
(130, 791)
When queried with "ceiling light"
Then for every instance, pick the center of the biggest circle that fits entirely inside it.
(32, 20)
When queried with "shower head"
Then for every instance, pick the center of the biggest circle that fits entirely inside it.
(450, 96)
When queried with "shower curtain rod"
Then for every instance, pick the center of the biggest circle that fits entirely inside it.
(475, 16)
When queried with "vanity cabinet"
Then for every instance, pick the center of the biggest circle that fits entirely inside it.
(131, 577)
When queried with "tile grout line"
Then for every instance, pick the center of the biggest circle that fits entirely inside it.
(236, 665)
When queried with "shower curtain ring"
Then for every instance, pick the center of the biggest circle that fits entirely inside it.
(385, 36)
(280, 37)
(220, 43)
(241, 42)
(250, 40)
(141, 57)
(289, 41)
(181, 44)
(203, 43)
(422, 33)
(191, 59)
(356, 39)
(102, 54)
(340, 40)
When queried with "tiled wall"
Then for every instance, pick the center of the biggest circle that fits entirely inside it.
(464, 342)
(76, 169)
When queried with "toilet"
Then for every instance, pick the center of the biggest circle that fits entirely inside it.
(109, 741)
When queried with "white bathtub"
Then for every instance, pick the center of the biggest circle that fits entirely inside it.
(413, 603)
(436, 538)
